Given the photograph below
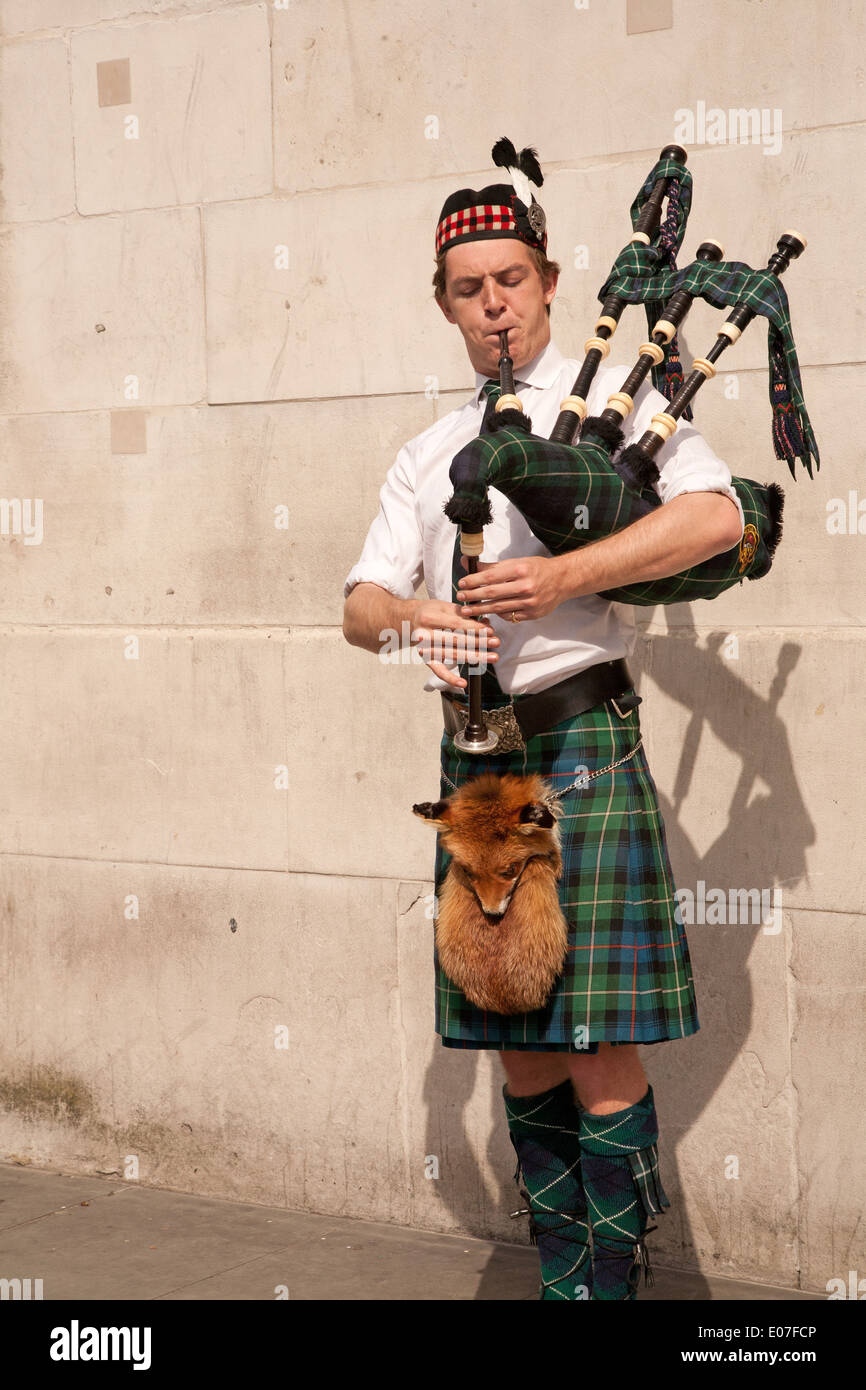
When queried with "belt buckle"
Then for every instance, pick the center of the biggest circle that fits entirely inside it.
(630, 702)
(505, 723)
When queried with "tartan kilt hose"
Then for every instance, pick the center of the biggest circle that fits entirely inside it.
(627, 976)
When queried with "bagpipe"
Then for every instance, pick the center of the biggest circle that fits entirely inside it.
(573, 493)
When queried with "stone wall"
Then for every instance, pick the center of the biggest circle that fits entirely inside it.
(215, 917)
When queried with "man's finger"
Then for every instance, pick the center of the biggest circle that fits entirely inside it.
(459, 652)
(488, 597)
(446, 674)
(448, 615)
(473, 626)
(458, 623)
(506, 606)
(505, 568)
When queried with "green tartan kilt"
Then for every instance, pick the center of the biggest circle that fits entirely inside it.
(627, 976)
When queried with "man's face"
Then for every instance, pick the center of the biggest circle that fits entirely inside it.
(491, 286)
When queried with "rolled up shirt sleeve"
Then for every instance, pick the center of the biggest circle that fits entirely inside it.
(689, 464)
(393, 554)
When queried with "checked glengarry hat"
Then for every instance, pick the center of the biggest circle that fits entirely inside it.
(500, 209)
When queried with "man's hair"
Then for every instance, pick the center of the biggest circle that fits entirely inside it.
(544, 267)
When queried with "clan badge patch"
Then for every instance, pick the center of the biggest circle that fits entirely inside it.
(748, 546)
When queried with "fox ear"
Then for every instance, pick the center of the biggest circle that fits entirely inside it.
(435, 812)
(535, 814)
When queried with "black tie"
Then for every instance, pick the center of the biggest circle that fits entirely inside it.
(492, 391)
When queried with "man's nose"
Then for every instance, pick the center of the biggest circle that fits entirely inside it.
(492, 297)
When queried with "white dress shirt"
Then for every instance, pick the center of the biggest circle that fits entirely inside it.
(412, 539)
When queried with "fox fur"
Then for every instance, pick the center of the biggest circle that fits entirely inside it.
(500, 932)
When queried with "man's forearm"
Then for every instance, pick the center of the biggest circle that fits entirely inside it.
(370, 610)
(683, 532)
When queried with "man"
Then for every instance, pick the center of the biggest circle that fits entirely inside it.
(579, 1107)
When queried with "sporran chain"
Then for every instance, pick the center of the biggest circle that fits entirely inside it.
(581, 781)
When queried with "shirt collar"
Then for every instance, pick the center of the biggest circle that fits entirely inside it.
(542, 371)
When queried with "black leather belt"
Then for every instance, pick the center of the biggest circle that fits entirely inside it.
(535, 713)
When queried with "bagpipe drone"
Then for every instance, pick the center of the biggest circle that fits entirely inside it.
(571, 494)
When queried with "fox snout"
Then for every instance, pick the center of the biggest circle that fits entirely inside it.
(491, 827)
(495, 913)
(493, 902)
(492, 891)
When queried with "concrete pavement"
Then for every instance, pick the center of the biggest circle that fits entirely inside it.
(104, 1239)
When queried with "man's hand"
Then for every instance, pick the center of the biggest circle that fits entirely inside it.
(440, 632)
(683, 532)
(531, 587)
(444, 634)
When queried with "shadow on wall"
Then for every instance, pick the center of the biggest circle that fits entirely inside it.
(763, 840)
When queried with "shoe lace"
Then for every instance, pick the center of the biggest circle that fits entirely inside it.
(641, 1257)
(572, 1218)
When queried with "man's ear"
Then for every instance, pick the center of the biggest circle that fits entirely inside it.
(549, 286)
(434, 812)
(443, 305)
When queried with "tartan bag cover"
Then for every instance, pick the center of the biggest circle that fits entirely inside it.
(627, 976)
(571, 495)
